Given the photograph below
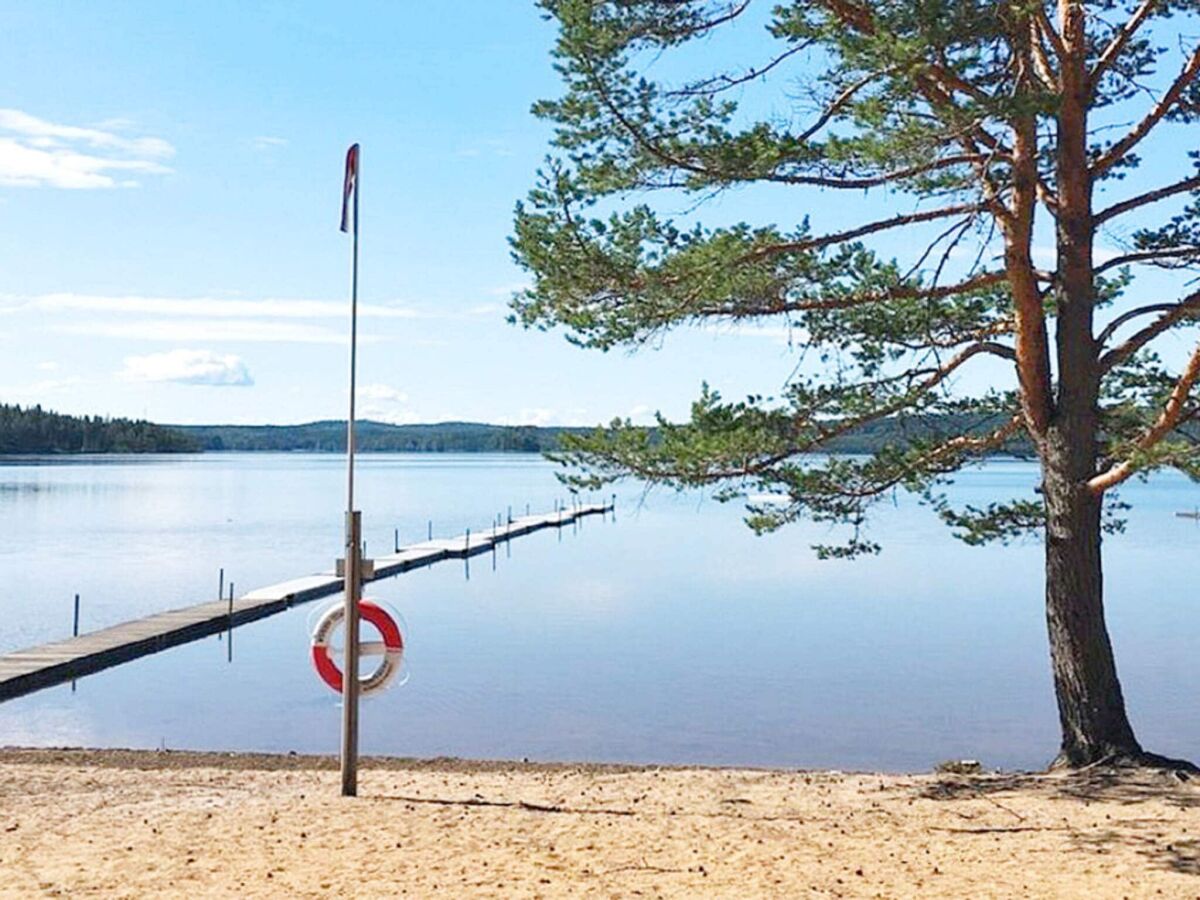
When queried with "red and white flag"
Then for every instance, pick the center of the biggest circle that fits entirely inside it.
(350, 186)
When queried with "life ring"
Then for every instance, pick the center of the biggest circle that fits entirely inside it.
(391, 648)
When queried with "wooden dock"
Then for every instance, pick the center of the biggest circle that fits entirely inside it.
(26, 671)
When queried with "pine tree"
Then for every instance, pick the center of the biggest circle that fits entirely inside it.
(978, 126)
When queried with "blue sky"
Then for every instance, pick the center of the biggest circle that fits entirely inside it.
(210, 258)
(169, 190)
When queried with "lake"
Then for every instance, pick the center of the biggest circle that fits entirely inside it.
(671, 634)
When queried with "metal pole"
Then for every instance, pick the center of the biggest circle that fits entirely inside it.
(353, 584)
(350, 685)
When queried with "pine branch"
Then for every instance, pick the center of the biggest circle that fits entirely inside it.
(673, 160)
(850, 301)
(709, 87)
(1111, 328)
(1154, 196)
(1033, 348)
(1118, 150)
(1120, 40)
(1170, 416)
(1174, 314)
(842, 237)
(1185, 254)
(1047, 30)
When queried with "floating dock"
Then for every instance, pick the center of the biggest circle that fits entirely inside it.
(26, 671)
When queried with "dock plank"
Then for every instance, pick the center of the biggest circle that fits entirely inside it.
(34, 668)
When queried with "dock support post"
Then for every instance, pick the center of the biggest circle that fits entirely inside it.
(229, 640)
(75, 633)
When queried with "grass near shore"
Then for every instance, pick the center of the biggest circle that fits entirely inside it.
(137, 823)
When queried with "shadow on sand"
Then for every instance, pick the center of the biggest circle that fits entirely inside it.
(1126, 787)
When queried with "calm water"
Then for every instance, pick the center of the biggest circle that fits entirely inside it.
(670, 635)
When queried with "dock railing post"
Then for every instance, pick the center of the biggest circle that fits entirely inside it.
(229, 639)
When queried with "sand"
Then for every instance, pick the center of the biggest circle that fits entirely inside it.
(131, 824)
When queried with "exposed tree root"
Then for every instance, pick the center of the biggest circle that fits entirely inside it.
(1122, 758)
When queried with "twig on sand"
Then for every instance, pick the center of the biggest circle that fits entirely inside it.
(1001, 830)
(514, 804)
(998, 804)
(643, 867)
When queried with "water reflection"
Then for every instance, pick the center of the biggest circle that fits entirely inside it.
(673, 636)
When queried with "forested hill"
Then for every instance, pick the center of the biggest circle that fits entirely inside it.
(377, 437)
(475, 437)
(34, 430)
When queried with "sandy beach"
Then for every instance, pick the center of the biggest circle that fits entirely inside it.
(138, 823)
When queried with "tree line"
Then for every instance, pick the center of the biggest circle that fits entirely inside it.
(35, 430)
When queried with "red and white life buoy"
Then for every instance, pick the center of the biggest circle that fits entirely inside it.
(391, 648)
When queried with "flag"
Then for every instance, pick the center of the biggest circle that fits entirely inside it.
(350, 186)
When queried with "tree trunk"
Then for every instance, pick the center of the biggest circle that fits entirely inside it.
(1091, 707)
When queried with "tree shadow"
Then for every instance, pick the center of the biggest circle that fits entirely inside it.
(1115, 785)
(1146, 835)
(1178, 856)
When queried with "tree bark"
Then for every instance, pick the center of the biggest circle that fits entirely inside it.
(1091, 707)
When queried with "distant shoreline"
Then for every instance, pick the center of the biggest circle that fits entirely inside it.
(34, 431)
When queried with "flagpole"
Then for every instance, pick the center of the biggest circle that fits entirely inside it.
(353, 569)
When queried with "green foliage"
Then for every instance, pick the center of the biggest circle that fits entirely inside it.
(34, 430)
(377, 437)
(922, 100)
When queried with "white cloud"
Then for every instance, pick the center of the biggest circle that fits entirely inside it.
(507, 290)
(487, 310)
(188, 367)
(641, 415)
(206, 307)
(488, 147)
(267, 142)
(538, 416)
(37, 153)
(384, 403)
(781, 333)
(382, 393)
(34, 391)
(209, 319)
(47, 366)
(211, 331)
